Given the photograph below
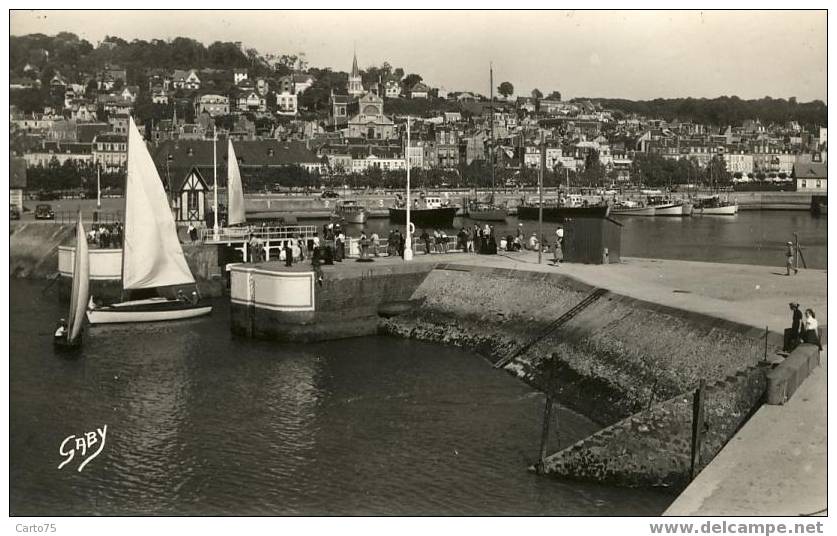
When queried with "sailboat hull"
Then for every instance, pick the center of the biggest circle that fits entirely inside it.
(151, 310)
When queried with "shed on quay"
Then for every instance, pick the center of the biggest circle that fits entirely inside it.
(592, 240)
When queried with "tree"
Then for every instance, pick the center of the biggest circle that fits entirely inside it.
(505, 89)
(409, 81)
(555, 95)
(536, 94)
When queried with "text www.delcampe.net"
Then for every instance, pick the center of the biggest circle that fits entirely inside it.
(725, 527)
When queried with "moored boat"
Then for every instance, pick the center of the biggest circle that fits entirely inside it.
(559, 213)
(714, 206)
(152, 257)
(426, 211)
(631, 209)
(351, 211)
(486, 212)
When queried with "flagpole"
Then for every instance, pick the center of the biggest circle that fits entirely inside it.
(408, 247)
(215, 229)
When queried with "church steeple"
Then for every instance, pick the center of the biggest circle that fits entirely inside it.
(355, 88)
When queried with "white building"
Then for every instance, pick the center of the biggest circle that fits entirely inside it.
(239, 75)
(287, 103)
(739, 163)
(213, 105)
(385, 164)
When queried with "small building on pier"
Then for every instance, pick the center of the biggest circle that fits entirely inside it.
(592, 240)
(190, 197)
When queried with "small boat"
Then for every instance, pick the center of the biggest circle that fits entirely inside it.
(714, 206)
(558, 213)
(668, 209)
(427, 211)
(78, 296)
(351, 211)
(152, 257)
(688, 208)
(486, 212)
(630, 208)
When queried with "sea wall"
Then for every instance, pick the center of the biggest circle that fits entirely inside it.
(33, 248)
(652, 448)
(615, 356)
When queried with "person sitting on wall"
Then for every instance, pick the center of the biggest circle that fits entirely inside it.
(810, 332)
(195, 297)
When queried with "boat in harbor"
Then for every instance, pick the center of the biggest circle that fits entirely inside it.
(427, 211)
(631, 208)
(350, 211)
(152, 257)
(715, 206)
(819, 205)
(558, 213)
(486, 212)
(72, 340)
(666, 207)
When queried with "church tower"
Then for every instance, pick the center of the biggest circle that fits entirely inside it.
(355, 82)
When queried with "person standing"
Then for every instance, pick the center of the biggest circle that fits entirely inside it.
(375, 239)
(193, 235)
(558, 253)
(289, 253)
(474, 241)
(790, 254)
(811, 333)
(426, 239)
(793, 333)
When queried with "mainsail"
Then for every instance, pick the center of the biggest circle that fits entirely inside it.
(81, 282)
(235, 190)
(152, 256)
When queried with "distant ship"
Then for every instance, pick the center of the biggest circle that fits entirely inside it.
(427, 211)
(351, 212)
(558, 213)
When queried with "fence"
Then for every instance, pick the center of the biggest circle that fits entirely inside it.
(96, 216)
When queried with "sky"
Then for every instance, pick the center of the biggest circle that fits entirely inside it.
(634, 55)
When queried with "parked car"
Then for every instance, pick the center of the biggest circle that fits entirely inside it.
(47, 196)
(14, 213)
(44, 212)
(329, 194)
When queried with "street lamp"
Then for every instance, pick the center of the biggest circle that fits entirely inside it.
(408, 247)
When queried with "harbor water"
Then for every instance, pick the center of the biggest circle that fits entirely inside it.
(749, 237)
(199, 422)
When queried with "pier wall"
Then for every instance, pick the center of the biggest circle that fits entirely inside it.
(294, 306)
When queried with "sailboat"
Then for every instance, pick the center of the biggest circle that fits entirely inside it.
(489, 211)
(151, 256)
(78, 297)
(235, 189)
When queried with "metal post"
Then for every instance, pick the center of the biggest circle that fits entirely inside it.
(697, 427)
(765, 342)
(408, 245)
(215, 228)
(547, 410)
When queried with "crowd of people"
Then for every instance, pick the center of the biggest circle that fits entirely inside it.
(105, 235)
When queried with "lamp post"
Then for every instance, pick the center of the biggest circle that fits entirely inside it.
(540, 198)
(98, 186)
(215, 228)
(408, 247)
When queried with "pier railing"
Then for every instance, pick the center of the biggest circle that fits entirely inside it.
(265, 234)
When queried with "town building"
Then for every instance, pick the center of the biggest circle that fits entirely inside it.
(110, 151)
(287, 103)
(355, 86)
(213, 105)
(186, 79)
(811, 177)
(17, 182)
(370, 122)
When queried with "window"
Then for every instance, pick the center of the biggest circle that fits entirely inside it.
(192, 201)
(819, 183)
(802, 185)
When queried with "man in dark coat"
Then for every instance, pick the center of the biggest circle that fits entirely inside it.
(794, 333)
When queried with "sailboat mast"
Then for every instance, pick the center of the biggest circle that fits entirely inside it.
(491, 123)
(215, 175)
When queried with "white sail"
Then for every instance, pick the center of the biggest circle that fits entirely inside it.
(81, 283)
(152, 255)
(235, 190)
